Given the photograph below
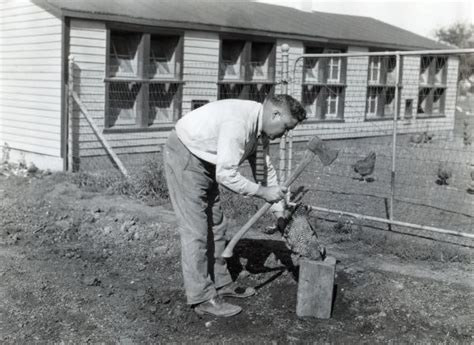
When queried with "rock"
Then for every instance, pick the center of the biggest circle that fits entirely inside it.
(382, 314)
(152, 309)
(107, 230)
(160, 250)
(244, 274)
(272, 261)
(136, 236)
(91, 281)
(32, 168)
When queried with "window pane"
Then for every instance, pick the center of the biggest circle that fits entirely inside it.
(437, 101)
(310, 99)
(389, 104)
(440, 69)
(260, 60)
(374, 70)
(422, 101)
(232, 51)
(162, 100)
(230, 91)
(331, 103)
(163, 60)
(425, 69)
(391, 69)
(312, 72)
(259, 92)
(123, 54)
(123, 103)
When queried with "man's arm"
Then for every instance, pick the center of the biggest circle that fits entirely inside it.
(230, 149)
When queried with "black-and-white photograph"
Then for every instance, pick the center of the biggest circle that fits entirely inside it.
(236, 172)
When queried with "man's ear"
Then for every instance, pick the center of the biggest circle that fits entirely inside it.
(276, 113)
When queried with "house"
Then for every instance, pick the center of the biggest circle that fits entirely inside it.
(139, 66)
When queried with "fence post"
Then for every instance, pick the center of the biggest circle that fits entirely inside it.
(394, 137)
(73, 154)
(284, 90)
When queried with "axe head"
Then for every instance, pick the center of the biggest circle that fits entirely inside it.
(319, 148)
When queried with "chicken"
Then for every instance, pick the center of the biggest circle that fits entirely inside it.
(422, 138)
(427, 137)
(444, 173)
(299, 235)
(365, 167)
(417, 138)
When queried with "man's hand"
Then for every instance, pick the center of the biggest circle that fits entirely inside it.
(272, 194)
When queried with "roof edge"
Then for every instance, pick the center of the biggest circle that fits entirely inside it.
(229, 29)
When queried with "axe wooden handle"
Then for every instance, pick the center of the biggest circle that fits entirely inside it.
(307, 158)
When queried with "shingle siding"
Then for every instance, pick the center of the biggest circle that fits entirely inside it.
(200, 67)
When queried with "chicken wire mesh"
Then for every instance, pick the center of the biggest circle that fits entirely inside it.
(135, 115)
(351, 101)
(422, 171)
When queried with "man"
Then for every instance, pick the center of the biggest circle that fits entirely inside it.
(204, 151)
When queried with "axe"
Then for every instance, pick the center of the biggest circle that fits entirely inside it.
(315, 147)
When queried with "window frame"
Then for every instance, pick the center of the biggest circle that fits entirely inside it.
(429, 86)
(381, 87)
(244, 86)
(331, 63)
(378, 69)
(142, 116)
(324, 84)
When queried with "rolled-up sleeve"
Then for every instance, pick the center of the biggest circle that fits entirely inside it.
(230, 149)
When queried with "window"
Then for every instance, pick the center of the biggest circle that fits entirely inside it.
(433, 70)
(334, 67)
(432, 91)
(143, 82)
(323, 84)
(323, 102)
(247, 69)
(374, 69)
(382, 70)
(197, 103)
(232, 55)
(312, 71)
(381, 87)
(372, 101)
(431, 101)
(380, 102)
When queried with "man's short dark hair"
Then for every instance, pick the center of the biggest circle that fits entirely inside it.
(296, 109)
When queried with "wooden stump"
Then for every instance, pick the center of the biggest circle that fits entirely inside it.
(315, 288)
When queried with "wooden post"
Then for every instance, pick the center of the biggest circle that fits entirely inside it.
(73, 123)
(316, 288)
(99, 135)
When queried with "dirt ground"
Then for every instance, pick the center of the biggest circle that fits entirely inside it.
(84, 267)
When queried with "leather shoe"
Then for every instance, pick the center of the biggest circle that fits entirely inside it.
(217, 307)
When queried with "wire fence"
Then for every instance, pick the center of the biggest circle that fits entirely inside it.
(402, 123)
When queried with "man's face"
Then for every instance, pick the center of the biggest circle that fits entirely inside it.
(277, 122)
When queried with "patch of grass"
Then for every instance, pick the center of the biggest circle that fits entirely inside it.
(146, 183)
(411, 248)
